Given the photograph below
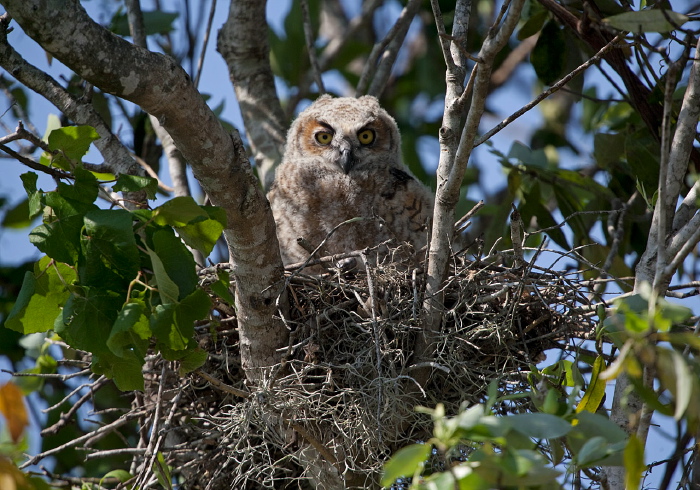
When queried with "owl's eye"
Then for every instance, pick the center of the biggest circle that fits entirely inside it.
(324, 137)
(366, 136)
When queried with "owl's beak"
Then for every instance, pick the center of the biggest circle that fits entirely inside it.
(347, 160)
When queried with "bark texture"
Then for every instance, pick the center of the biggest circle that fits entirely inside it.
(243, 44)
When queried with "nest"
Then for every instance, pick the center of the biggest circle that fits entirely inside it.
(342, 400)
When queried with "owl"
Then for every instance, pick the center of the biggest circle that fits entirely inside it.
(342, 161)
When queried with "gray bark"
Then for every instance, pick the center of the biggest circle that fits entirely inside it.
(455, 148)
(243, 44)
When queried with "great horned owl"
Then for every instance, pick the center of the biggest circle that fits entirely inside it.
(343, 161)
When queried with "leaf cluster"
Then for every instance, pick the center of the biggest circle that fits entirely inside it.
(114, 282)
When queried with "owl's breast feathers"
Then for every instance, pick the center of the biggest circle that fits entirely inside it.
(309, 202)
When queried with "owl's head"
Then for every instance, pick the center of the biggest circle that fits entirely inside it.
(348, 134)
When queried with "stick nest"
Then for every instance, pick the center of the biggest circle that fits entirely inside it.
(342, 400)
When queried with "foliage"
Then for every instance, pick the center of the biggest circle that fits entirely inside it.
(567, 433)
(113, 282)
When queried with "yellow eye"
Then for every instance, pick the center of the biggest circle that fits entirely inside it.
(324, 137)
(366, 137)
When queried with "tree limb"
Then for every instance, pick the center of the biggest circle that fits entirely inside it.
(455, 153)
(243, 43)
(115, 154)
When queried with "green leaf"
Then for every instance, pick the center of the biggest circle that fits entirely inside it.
(527, 156)
(549, 54)
(167, 289)
(126, 371)
(566, 373)
(154, 22)
(634, 462)
(533, 25)
(596, 388)
(222, 287)
(134, 183)
(162, 326)
(194, 359)
(73, 141)
(202, 234)
(439, 481)
(59, 236)
(642, 155)
(110, 255)
(162, 471)
(595, 449)
(647, 21)
(406, 462)
(87, 319)
(470, 417)
(173, 266)
(194, 307)
(608, 149)
(17, 217)
(29, 180)
(130, 332)
(669, 314)
(121, 475)
(589, 426)
(41, 298)
(540, 425)
(173, 324)
(178, 212)
(684, 384)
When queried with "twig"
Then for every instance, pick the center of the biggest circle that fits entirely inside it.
(80, 111)
(96, 434)
(328, 236)
(338, 42)
(58, 174)
(310, 47)
(377, 342)
(61, 377)
(388, 48)
(151, 449)
(135, 19)
(65, 418)
(460, 224)
(220, 385)
(205, 43)
(516, 236)
(557, 86)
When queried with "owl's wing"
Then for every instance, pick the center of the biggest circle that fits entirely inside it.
(407, 206)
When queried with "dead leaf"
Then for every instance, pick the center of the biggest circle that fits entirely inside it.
(13, 409)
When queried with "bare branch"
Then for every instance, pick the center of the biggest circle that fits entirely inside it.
(455, 153)
(80, 111)
(244, 45)
(59, 174)
(135, 18)
(554, 88)
(96, 434)
(310, 47)
(338, 42)
(205, 43)
(455, 61)
(381, 59)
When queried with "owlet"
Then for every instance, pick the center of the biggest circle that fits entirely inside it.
(343, 161)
